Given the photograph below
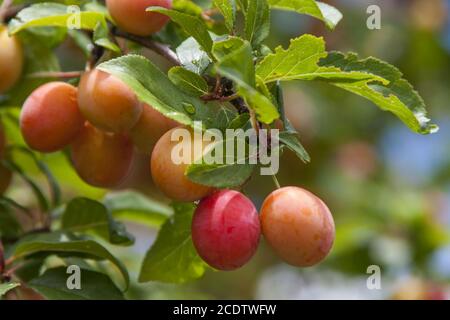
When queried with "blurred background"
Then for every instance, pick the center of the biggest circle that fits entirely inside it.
(388, 188)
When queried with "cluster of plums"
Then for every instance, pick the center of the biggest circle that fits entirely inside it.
(103, 123)
(298, 226)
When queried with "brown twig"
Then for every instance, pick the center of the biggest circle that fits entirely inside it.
(60, 75)
(10, 12)
(160, 48)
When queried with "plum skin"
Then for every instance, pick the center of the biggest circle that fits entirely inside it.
(11, 60)
(101, 159)
(107, 102)
(226, 229)
(150, 127)
(298, 226)
(50, 118)
(170, 177)
(132, 17)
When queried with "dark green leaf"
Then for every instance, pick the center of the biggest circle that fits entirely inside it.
(257, 21)
(133, 206)
(228, 10)
(173, 258)
(84, 215)
(66, 245)
(290, 140)
(228, 166)
(94, 286)
(193, 25)
(188, 81)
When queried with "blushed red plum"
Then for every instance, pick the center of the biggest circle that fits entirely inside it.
(131, 16)
(50, 118)
(298, 226)
(101, 159)
(107, 102)
(226, 229)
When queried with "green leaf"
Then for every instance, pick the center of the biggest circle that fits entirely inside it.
(9, 226)
(5, 287)
(94, 286)
(173, 258)
(231, 170)
(44, 169)
(299, 61)
(153, 87)
(66, 245)
(101, 37)
(55, 15)
(192, 57)
(193, 25)
(187, 6)
(188, 81)
(257, 21)
(329, 14)
(133, 206)
(290, 140)
(224, 47)
(393, 93)
(238, 66)
(41, 198)
(84, 215)
(228, 10)
(220, 175)
(381, 83)
(241, 121)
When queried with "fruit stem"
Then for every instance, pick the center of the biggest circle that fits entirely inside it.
(161, 49)
(275, 181)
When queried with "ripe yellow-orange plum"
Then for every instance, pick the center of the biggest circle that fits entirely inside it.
(131, 16)
(50, 118)
(108, 103)
(11, 60)
(169, 176)
(298, 226)
(101, 159)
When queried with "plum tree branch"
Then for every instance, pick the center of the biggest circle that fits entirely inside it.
(60, 75)
(161, 49)
(4, 7)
